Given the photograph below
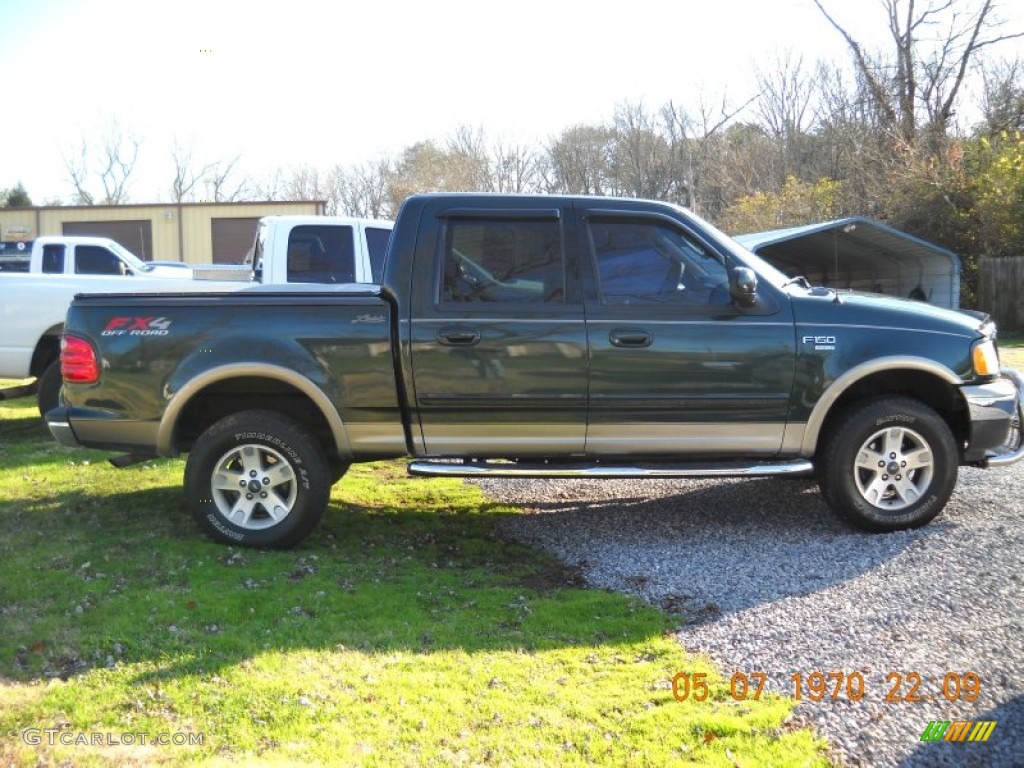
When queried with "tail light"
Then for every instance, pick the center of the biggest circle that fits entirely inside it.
(78, 363)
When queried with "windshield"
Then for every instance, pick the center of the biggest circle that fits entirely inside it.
(130, 258)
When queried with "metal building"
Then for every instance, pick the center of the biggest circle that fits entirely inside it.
(864, 255)
(196, 233)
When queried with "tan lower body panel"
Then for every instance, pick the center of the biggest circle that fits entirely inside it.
(511, 440)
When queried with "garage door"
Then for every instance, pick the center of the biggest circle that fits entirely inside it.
(232, 239)
(136, 236)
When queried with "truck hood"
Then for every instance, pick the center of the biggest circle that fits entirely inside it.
(871, 309)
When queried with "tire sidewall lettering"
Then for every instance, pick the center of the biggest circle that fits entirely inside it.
(895, 418)
(217, 523)
(263, 437)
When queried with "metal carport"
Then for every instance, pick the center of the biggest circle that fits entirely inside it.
(864, 255)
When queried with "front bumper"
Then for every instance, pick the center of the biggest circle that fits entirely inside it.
(996, 411)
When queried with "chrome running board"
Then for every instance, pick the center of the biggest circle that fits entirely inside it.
(458, 468)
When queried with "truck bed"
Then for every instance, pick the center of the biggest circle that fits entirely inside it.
(327, 342)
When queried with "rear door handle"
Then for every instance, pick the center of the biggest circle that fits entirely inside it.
(458, 337)
(633, 338)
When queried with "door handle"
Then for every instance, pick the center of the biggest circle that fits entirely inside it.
(458, 337)
(632, 338)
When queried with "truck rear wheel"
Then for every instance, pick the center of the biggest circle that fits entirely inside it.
(336, 470)
(257, 479)
(889, 464)
(48, 392)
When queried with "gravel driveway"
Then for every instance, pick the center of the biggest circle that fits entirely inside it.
(765, 579)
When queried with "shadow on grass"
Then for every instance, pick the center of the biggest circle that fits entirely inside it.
(25, 442)
(100, 578)
(24, 424)
(95, 579)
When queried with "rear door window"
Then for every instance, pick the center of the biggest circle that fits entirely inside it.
(503, 260)
(53, 259)
(321, 254)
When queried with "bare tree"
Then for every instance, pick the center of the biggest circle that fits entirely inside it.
(514, 168)
(118, 154)
(223, 186)
(363, 189)
(115, 157)
(641, 156)
(921, 81)
(579, 160)
(270, 187)
(785, 107)
(744, 164)
(1003, 97)
(467, 159)
(419, 168)
(697, 144)
(848, 143)
(77, 166)
(461, 164)
(186, 177)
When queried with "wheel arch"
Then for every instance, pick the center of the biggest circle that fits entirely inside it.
(236, 387)
(47, 350)
(925, 380)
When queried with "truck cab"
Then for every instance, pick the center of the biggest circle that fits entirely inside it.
(320, 249)
(95, 256)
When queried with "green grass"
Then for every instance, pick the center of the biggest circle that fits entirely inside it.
(1011, 349)
(405, 631)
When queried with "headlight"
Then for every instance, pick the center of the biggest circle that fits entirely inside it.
(985, 358)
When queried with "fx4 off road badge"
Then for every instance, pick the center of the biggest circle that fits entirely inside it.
(137, 326)
(821, 343)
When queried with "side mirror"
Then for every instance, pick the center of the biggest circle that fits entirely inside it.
(743, 286)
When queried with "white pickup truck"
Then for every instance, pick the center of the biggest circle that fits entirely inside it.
(74, 255)
(319, 249)
(32, 308)
(287, 249)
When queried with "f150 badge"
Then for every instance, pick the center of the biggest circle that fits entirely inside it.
(137, 326)
(368, 319)
(821, 343)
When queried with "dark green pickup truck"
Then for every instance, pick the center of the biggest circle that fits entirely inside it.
(540, 336)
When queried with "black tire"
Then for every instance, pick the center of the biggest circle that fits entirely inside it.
(888, 464)
(287, 481)
(336, 470)
(48, 392)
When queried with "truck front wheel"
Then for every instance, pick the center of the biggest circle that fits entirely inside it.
(257, 479)
(889, 464)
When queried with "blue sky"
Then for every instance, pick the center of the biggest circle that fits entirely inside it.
(303, 82)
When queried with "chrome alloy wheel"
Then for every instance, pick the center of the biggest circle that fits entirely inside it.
(894, 468)
(254, 486)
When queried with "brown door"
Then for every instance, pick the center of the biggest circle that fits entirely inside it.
(232, 239)
(136, 236)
